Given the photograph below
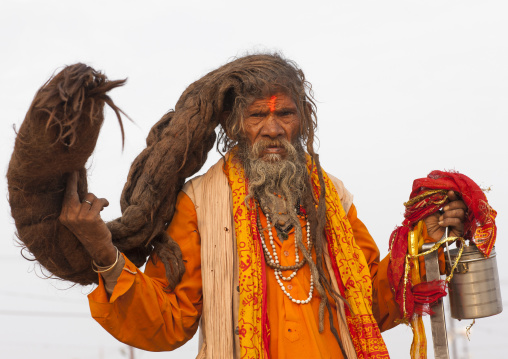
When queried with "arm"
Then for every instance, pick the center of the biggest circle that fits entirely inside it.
(384, 308)
(136, 309)
(139, 311)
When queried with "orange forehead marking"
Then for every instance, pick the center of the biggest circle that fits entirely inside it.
(271, 103)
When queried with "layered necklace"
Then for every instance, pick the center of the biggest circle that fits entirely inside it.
(273, 260)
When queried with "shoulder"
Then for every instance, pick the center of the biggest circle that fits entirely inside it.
(346, 197)
(195, 186)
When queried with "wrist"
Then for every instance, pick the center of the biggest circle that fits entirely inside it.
(106, 256)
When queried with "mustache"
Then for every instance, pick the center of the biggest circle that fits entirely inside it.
(260, 146)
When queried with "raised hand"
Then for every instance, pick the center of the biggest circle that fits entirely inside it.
(84, 220)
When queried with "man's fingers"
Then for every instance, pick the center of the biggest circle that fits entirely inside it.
(454, 223)
(458, 204)
(454, 213)
(72, 184)
(86, 204)
(452, 196)
(71, 198)
(92, 204)
(99, 204)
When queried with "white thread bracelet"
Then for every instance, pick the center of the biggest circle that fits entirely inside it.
(94, 265)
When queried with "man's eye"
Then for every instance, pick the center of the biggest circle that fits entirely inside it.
(257, 114)
(253, 120)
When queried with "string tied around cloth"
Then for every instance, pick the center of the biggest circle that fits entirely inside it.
(427, 293)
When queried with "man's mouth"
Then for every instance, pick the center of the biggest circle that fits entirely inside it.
(271, 151)
(274, 150)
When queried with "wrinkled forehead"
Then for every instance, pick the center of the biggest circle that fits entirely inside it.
(269, 89)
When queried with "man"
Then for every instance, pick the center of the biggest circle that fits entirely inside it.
(277, 263)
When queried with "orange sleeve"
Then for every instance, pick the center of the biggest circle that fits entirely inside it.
(385, 309)
(139, 312)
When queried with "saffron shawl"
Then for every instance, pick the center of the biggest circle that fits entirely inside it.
(348, 263)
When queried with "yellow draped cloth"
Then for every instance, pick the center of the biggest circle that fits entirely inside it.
(348, 262)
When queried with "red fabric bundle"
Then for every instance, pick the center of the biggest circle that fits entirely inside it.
(427, 197)
(425, 294)
(480, 225)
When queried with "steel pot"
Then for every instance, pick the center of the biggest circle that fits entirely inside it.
(474, 289)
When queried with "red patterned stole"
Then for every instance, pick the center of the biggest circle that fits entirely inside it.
(352, 273)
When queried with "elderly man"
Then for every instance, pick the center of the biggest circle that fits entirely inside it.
(277, 263)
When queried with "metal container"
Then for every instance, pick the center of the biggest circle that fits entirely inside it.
(474, 290)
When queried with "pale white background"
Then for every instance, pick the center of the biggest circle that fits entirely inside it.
(403, 88)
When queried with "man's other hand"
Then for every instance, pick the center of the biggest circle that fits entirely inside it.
(84, 220)
(453, 216)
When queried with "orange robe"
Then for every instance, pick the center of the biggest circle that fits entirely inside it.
(140, 313)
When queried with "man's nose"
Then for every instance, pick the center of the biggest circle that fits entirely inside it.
(271, 127)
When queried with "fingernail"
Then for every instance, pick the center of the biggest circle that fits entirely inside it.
(446, 208)
(440, 223)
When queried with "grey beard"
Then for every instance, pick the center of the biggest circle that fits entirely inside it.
(271, 174)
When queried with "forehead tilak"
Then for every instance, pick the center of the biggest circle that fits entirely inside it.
(271, 103)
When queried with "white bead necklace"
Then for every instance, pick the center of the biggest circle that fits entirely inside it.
(275, 260)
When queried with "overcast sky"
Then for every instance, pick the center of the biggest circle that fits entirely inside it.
(403, 88)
